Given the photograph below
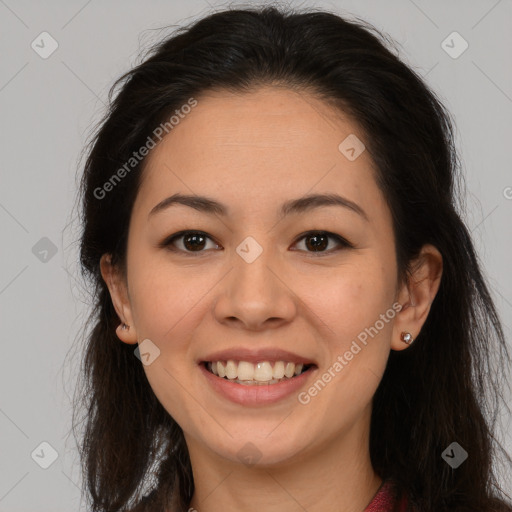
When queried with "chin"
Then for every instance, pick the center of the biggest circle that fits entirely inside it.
(254, 447)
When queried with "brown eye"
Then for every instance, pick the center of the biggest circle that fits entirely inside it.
(190, 241)
(194, 242)
(318, 241)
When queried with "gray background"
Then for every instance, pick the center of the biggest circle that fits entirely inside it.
(47, 109)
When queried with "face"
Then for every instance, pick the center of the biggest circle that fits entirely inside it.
(313, 284)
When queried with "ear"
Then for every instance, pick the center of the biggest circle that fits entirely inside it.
(117, 287)
(417, 294)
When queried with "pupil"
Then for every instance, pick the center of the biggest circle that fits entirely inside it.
(316, 244)
(195, 239)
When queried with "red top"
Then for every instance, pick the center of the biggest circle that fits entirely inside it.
(384, 500)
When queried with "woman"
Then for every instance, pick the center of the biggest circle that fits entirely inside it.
(289, 312)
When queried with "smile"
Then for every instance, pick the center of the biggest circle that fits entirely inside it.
(254, 374)
(256, 384)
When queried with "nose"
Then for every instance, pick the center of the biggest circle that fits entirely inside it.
(255, 296)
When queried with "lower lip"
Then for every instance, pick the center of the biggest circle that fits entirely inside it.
(262, 394)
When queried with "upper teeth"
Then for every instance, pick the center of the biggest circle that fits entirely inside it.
(261, 372)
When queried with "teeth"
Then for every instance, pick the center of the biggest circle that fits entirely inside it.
(263, 372)
(231, 369)
(289, 370)
(278, 372)
(244, 372)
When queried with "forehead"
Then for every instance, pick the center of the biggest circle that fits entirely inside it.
(258, 148)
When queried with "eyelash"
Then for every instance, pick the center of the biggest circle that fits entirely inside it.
(168, 242)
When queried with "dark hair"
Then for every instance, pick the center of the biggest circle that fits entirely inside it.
(446, 387)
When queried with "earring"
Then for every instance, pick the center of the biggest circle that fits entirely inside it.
(124, 327)
(406, 337)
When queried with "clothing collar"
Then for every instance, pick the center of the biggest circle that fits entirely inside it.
(385, 500)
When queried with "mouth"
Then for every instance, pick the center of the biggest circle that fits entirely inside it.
(261, 373)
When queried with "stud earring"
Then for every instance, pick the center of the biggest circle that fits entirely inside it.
(124, 327)
(406, 337)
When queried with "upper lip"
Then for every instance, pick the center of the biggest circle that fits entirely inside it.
(256, 355)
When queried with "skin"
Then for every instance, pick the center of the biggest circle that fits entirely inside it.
(230, 148)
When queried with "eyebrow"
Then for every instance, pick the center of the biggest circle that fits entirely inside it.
(303, 204)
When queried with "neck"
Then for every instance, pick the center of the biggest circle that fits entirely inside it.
(335, 477)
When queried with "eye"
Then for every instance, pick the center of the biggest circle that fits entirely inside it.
(317, 241)
(196, 241)
(190, 241)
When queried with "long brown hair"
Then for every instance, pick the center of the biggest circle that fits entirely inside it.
(446, 388)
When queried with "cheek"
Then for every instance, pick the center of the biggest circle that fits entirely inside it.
(357, 308)
(169, 303)
(353, 298)
(160, 297)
